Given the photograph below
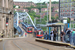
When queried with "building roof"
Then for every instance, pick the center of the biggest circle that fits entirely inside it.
(55, 24)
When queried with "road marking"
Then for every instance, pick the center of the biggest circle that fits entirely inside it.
(17, 45)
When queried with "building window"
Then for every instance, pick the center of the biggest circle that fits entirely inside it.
(7, 19)
(0, 19)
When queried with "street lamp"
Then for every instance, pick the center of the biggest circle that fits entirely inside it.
(47, 14)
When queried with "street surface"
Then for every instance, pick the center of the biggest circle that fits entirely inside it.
(28, 43)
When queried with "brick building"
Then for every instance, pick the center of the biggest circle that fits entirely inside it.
(44, 10)
(6, 18)
(55, 5)
(35, 10)
(24, 4)
(21, 10)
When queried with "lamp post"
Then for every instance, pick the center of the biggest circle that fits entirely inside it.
(47, 14)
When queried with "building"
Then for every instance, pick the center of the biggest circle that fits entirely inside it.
(67, 8)
(44, 10)
(24, 4)
(21, 10)
(55, 5)
(35, 10)
(6, 18)
(55, 10)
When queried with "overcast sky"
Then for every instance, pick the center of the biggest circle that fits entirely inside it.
(35, 1)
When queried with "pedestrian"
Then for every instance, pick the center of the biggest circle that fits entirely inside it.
(46, 36)
(2, 35)
(52, 35)
(66, 30)
(65, 35)
(68, 35)
(25, 34)
(62, 35)
(72, 37)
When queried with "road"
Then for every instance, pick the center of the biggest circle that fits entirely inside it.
(28, 43)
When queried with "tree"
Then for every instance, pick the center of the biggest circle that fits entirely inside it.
(14, 6)
(43, 3)
(55, 2)
(19, 7)
(14, 12)
(52, 18)
(29, 8)
(38, 3)
(32, 17)
(52, 9)
(68, 20)
(37, 16)
(57, 17)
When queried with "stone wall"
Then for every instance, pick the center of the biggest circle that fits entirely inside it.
(6, 8)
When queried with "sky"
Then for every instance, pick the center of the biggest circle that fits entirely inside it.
(35, 1)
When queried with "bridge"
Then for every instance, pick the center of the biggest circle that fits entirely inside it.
(22, 18)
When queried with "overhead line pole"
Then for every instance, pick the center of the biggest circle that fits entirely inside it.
(50, 10)
(49, 15)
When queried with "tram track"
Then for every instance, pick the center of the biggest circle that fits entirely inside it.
(36, 45)
(20, 45)
(4, 45)
(17, 45)
(33, 46)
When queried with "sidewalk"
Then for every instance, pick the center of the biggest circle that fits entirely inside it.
(0, 39)
(44, 45)
(54, 42)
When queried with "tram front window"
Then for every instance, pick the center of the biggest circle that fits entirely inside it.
(29, 29)
(39, 33)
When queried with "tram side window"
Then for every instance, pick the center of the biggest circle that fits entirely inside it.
(38, 32)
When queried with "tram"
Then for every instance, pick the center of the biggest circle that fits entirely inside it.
(29, 29)
(39, 33)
